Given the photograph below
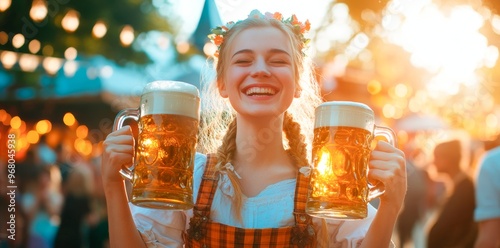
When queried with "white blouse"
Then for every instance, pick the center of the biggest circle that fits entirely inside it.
(271, 208)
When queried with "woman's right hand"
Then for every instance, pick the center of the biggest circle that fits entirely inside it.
(118, 152)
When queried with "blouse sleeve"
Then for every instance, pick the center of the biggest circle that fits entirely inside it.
(164, 228)
(488, 188)
(344, 233)
(159, 228)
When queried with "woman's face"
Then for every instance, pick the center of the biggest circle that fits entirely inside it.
(259, 78)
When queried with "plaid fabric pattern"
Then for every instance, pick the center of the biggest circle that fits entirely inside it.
(203, 232)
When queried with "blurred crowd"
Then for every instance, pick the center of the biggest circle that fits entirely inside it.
(60, 201)
(441, 207)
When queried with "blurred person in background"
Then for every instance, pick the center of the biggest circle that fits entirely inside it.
(415, 206)
(45, 154)
(44, 204)
(455, 225)
(487, 212)
(98, 232)
(40, 198)
(64, 160)
(76, 215)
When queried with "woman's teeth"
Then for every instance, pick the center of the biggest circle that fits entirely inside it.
(260, 91)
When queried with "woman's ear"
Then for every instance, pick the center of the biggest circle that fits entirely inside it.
(222, 88)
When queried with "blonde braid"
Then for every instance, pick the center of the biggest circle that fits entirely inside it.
(225, 155)
(296, 141)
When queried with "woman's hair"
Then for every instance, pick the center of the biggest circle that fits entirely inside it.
(218, 122)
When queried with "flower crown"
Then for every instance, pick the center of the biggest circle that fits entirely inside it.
(218, 33)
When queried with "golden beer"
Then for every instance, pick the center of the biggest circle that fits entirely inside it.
(162, 173)
(339, 188)
(164, 161)
(339, 180)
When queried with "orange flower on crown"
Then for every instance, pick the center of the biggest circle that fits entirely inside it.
(295, 21)
(218, 39)
(277, 16)
(306, 27)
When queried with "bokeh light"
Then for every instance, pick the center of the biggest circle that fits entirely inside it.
(82, 131)
(43, 126)
(99, 29)
(18, 40)
(32, 137)
(5, 4)
(38, 10)
(70, 21)
(34, 46)
(69, 119)
(127, 35)
(15, 122)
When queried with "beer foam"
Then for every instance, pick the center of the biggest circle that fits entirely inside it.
(170, 97)
(169, 86)
(344, 113)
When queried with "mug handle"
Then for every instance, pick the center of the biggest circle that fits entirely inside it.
(128, 113)
(377, 189)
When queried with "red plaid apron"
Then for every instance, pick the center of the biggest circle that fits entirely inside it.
(203, 232)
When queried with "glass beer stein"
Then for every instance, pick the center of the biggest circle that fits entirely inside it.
(162, 173)
(343, 133)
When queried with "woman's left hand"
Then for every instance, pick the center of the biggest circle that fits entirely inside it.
(388, 165)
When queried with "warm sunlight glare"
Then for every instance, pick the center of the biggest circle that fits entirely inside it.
(449, 44)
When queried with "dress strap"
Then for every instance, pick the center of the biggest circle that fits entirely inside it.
(301, 189)
(201, 210)
(303, 232)
(207, 187)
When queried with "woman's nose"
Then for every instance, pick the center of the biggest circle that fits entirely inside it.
(260, 68)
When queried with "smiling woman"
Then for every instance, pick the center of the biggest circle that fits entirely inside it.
(250, 191)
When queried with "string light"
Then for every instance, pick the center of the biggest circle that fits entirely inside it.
(69, 119)
(70, 21)
(28, 62)
(4, 5)
(38, 10)
(8, 58)
(18, 40)
(127, 35)
(70, 53)
(52, 65)
(15, 122)
(99, 29)
(34, 46)
(43, 126)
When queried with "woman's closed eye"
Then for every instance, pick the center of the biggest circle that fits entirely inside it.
(243, 61)
(279, 61)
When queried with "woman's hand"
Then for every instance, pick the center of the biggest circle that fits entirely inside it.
(388, 165)
(118, 151)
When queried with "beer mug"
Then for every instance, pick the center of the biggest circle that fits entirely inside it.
(343, 133)
(162, 172)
